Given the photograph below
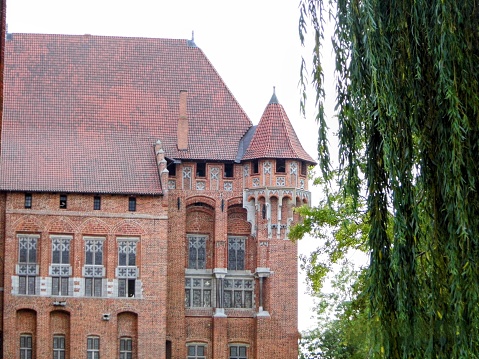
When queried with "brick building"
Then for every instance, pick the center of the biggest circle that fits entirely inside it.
(142, 214)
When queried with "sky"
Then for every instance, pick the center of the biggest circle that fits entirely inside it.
(254, 45)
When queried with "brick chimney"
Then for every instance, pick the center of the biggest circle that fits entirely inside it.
(182, 134)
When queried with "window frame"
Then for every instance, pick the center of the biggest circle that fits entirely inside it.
(196, 250)
(93, 269)
(239, 354)
(126, 353)
(232, 292)
(59, 352)
(127, 273)
(60, 270)
(201, 169)
(96, 203)
(280, 165)
(132, 204)
(93, 352)
(204, 289)
(229, 170)
(28, 200)
(255, 167)
(239, 262)
(26, 352)
(29, 266)
(63, 201)
(195, 347)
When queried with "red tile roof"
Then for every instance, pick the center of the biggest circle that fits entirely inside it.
(275, 137)
(82, 113)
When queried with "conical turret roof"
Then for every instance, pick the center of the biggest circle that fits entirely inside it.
(275, 137)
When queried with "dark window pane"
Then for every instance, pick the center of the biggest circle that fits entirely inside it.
(131, 288)
(132, 204)
(28, 200)
(63, 201)
(96, 202)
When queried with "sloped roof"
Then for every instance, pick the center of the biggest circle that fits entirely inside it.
(275, 137)
(82, 113)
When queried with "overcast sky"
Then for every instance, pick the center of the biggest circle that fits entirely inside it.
(254, 45)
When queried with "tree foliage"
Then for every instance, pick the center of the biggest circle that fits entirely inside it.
(407, 99)
(342, 331)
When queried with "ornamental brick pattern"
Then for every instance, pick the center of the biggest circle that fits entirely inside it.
(139, 213)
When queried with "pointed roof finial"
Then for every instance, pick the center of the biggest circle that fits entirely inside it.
(274, 99)
(191, 42)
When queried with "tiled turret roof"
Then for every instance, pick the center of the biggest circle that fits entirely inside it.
(82, 113)
(275, 137)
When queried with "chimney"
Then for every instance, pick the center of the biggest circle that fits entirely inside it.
(182, 134)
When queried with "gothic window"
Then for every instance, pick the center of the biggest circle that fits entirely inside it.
(28, 200)
(281, 165)
(93, 348)
(196, 251)
(94, 269)
(59, 347)
(127, 270)
(196, 351)
(198, 292)
(238, 352)
(236, 253)
(238, 293)
(126, 348)
(60, 266)
(27, 264)
(26, 346)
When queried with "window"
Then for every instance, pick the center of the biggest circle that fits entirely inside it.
(127, 271)
(93, 270)
(60, 268)
(93, 348)
(255, 167)
(126, 348)
(228, 170)
(198, 292)
(63, 201)
(236, 252)
(238, 293)
(132, 204)
(304, 168)
(171, 167)
(238, 352)
(196, 252)
(28, 200)
(26, 346)
(27, 264)
(58, 347)
(96, 203)
(201, 170)
(196, 351)
(280, 165)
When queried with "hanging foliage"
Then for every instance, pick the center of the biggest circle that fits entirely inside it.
(407, 99)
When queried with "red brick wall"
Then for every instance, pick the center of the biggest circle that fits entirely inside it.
(148, 224)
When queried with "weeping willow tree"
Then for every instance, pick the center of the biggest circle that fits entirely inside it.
(407, 97)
